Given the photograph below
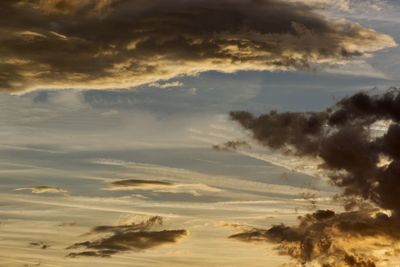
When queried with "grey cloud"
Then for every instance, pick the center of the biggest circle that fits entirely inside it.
(366, 164)
(331, 239)
(121, 43)
(102, 254)
(32, 264)
(144, 225)
(134, 183)
(231, 145)
(67, 224)
(161, 186)
(343, 138)
(40, 244)
(124, 238)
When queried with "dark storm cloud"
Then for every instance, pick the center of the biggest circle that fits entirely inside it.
(358, 157)
(119, 43)
(130, 237)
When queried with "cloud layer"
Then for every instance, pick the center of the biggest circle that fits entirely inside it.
(120, 43)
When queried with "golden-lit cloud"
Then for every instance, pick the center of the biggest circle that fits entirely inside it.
(121, 43)
(324, 238)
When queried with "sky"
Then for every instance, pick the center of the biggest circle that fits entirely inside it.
(199, 133)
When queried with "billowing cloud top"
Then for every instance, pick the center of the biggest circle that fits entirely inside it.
(357, 141)
(120, 43)
(363, 162)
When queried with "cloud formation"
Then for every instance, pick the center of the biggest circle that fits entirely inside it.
(128, 237)
(40, 244)
(121, 43)
(166, 85)
(43, 189)
(134, 184)
(161, 186)
(363, 163)
(330, 239)
(355, 155)
(231, 145)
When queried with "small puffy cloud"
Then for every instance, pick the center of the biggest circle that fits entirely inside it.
(122, 43)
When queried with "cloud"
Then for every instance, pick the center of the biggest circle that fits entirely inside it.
(348, 6)
(166, 85)
(330, 239)
(40, 244)
(343, 139)
(216, 183)
(43, 189)
(122, 43)
(131, 226)
(128, 237)
(161, 186)
(355, 154)
(67, 224)
(343, 5)
(132, 184)
(231, 145)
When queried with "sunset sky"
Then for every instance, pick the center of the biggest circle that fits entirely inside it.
(130, 133)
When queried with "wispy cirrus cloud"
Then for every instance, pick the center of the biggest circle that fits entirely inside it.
(74, 44)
